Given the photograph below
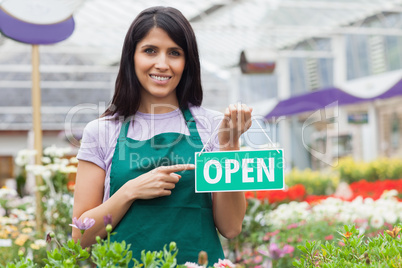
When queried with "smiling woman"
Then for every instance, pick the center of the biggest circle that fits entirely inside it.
(136, 162)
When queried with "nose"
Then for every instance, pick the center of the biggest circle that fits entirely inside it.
(162, 62)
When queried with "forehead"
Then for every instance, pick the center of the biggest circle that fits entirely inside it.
(157, 37)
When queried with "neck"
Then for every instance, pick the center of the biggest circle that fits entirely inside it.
(158, 107)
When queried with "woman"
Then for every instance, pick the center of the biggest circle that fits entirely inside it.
(136, 161)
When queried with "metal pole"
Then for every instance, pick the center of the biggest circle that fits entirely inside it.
(37, 128)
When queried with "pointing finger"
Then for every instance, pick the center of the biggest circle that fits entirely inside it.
(175, 168)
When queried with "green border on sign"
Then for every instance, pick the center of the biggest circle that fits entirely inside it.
(231, 171)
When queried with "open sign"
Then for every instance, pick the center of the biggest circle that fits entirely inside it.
(239, 171)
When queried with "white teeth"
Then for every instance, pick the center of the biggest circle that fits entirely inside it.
(160, 78)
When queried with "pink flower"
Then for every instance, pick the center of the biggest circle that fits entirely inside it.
(276, 253)
(329, 237)
(292, 226)
(224, 264)
(258, 259)
(107, 219)
(83, 224)
(269, 235)
(287, 249)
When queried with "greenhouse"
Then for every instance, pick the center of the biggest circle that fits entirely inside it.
(323, 79)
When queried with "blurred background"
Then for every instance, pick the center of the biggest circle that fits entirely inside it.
(322, 76)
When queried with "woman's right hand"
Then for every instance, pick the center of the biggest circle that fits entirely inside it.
(157, 182)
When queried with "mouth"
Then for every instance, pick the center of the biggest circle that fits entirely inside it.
(160, 77)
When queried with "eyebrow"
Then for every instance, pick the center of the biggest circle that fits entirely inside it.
(152, 46)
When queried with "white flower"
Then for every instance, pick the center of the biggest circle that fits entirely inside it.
(377, 221)
(54, 167)
(51, 202)
(46, 174)
(35, 169)
(67, 198)
(64, 162)
(68, 169)
(389, 194)
(46, 160)
(41, 188)
(368, 201)
(24, 156)
(73, 160)
(390, 217)
(192, 265)
(6, 193)
(2, 212)
(40, 242)
(50, 151)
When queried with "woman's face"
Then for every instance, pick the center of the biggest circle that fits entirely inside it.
(159, 64)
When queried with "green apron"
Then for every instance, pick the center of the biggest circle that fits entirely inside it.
(184, 217)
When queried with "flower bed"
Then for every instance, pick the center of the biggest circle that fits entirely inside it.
(277, 223)
(277, 219)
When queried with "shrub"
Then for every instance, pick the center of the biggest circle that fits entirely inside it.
(315, 182)
(384, 250)
(380, 169)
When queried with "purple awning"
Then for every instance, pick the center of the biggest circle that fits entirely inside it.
(322, 98)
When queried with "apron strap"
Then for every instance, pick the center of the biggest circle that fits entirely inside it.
(192, 127)
(124, 129)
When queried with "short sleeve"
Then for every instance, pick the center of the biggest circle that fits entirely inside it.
(91, 149)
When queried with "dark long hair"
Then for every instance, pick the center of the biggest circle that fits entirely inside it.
(127, 97)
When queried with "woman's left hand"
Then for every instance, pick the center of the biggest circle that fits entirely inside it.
(236, 121)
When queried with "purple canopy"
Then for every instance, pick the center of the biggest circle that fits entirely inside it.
(37, 34)
(324, 97)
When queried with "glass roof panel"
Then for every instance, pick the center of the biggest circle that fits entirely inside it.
(223, 27)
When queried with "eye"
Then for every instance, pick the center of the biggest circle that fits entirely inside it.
(149, 50)
(175, 53)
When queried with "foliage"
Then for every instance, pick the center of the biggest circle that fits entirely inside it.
(67, 256)
(380, 169)
(289, 224)
(384, 250)
(163, 259)
(18, 228)
(106, 254)
(275, 221)
(57, 199)
(315, 182)
(22, 263)
(253, 229)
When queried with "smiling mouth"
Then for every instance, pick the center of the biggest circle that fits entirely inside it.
(160, 78)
